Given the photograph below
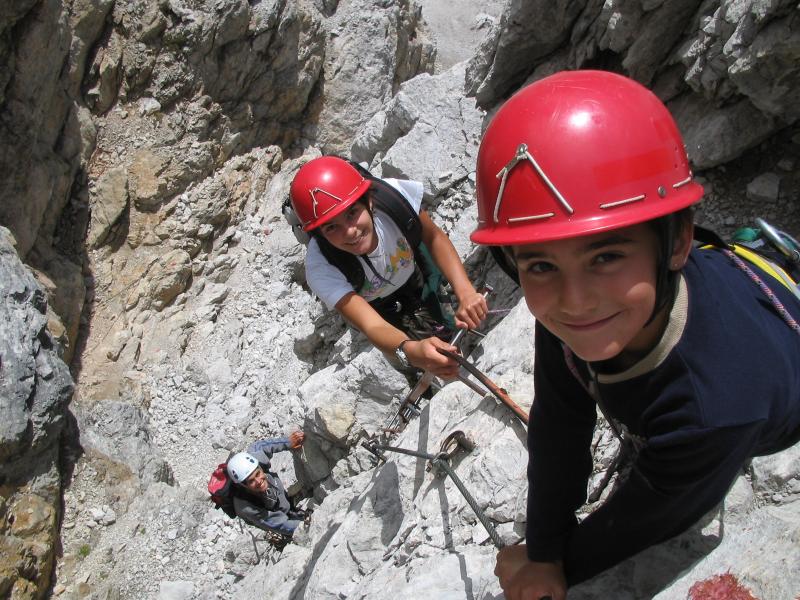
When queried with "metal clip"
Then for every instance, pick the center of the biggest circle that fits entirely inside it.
(523, 154)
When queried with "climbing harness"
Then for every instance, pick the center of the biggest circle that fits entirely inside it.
(440, 463)
(783, 242)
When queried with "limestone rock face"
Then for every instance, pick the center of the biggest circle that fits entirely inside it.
(366, 38)
(34, 390)
(716, 64)
(147, 150)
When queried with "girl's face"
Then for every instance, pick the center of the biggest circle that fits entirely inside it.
(352, 231)
(597, 292)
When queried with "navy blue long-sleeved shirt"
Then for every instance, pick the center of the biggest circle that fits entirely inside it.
(722, 385)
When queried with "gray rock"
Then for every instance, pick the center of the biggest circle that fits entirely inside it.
(36, 385)
(119, 432)
(109, 200)
(175, 590)
(427, 132)
(526, 32)
(764, 188)
(373, 47)
(735, 128)
(772, 473)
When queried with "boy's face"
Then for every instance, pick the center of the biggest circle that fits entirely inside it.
(257, 482)
(352, 231)
(595, 292)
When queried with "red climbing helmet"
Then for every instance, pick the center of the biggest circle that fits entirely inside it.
(323, 188)
(577, 153)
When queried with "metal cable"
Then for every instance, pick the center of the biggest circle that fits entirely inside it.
(440, 461)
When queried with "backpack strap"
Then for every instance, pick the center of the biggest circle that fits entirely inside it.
(768, 260)
(393, 203)
(344, 261)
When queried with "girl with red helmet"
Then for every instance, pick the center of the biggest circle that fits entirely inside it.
(333, 200)
(583, 181)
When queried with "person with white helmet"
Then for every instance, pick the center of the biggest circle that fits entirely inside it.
(362, 261)
(259, 497)
(691, 355)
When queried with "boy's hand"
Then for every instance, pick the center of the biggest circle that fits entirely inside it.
(296, 439)
(423, 354)
(472, 309)
(522, 579)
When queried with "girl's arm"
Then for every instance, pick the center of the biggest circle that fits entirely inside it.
(472, 307)
(387, 337)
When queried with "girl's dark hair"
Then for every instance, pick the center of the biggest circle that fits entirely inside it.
(363, 199)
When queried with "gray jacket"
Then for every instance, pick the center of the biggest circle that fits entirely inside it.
(270, 510)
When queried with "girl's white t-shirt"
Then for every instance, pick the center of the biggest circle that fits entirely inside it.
(393, 258)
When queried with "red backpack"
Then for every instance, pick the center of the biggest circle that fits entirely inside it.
(220, 487)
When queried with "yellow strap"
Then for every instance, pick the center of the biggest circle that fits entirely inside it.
(765, 264)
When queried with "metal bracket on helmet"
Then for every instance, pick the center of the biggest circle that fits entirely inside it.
(523, 154)
(315, 203)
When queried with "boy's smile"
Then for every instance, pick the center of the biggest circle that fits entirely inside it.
(257, 482)
(352, 231)
(596, 293)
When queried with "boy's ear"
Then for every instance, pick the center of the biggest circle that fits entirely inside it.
(682, 247)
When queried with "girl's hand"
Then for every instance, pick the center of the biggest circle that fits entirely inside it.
(424, 355)
(522, 579)
(472, 309)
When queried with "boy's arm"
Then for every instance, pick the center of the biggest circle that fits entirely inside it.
(560, 431)
(522, 579)
(679, 476)
(267, 520)
(472, 307)
(263, 450)
(676, 481)
(387, 337)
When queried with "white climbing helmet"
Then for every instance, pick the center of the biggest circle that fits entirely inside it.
(241, 466)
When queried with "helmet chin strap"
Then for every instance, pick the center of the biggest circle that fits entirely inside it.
(666, 279)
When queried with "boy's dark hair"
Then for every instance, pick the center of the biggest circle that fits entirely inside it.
(667, 229)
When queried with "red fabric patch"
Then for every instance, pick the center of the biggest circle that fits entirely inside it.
(720, 587)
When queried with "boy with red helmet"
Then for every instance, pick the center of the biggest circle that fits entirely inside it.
(583, 180)
(333, 201)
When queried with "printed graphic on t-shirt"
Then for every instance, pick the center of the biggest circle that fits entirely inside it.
(401, 258)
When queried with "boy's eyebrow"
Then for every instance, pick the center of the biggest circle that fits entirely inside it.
(612, 239)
